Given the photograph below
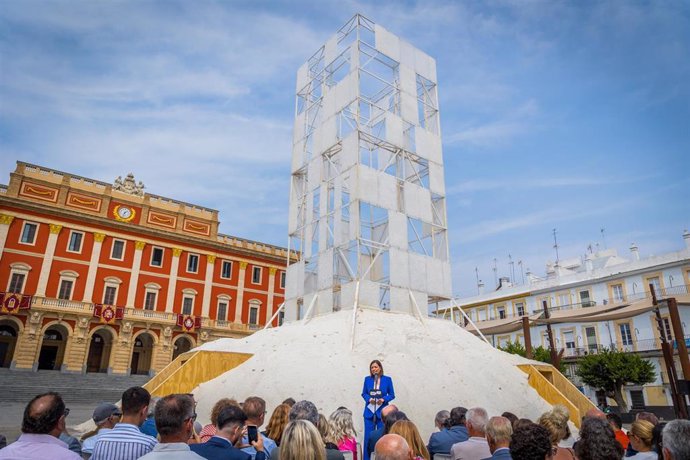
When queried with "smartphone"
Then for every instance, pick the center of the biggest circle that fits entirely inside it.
(252, 433)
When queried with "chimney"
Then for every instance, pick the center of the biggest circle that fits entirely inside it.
(635, 252)
(686, 237)
(589, 265)
(503, 282)
(480, 287)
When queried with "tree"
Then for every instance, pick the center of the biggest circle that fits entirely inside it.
(538, 353)
(609, 370)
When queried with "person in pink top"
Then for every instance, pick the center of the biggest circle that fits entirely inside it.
(343, 431)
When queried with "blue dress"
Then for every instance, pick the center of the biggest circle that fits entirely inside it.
(372, 421)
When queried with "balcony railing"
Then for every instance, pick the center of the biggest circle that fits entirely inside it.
(636, 346)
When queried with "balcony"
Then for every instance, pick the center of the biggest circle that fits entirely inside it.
(645, 345)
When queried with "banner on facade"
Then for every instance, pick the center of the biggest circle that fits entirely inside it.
(188, 322)
(11, 302)
(108, 313)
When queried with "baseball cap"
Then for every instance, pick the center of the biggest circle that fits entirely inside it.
(103, 411)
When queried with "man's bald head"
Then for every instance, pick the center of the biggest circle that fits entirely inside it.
(44, 415)
(387, 410)
(595, 413)
(393, 447)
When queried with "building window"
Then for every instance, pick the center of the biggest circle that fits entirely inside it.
(564, 299)
(156, 257)
(591, 337)
(253, 314)
(110, 295)
(282, 280)
(118, 251)
(617, 290)
(637, 399)
(256, 275)
(192, 263)
(150, 300)
(75, 240)
(17, 283)
(585, 299)
(501, 312)
(626, 335)
(28, 233)
(656, 282)
(222, 314)
(520, 307)
(65, 291)
(226, 269)
(569, 340)
(187, 305)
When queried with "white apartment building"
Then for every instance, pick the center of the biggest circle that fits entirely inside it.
(599, 301)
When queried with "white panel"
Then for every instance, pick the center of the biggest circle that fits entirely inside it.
(388, 191)
(347, 296)
(408, 108)
(399, 270)
(422, 302)
(294, 281)
(367, 184)
(325, 269)
(349, 156)
(394, 129)
(314, 174)
(447, 281)
(346, 91)
(400, 300)
(408, 81)
(331, 49)
(407, 54)
(297, 154)
(328, 135)
(425, 65)
(428, 145)
(397, 223)
(417, 266)
(307, 302)
(302, 77)
(434, 275)
(368, 293)
(436, 182)
(298, 127)
(387, 43)
(290, 309)
(325, 302)
(328, 104)
(417, 202)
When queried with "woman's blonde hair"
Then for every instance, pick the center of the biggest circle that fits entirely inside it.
(643, 430)
(279, 418)
(409, 431)
(341, 426)
(301, 440)
(556, 422)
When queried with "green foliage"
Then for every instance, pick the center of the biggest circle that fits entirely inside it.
(538, 353)
(609, 370)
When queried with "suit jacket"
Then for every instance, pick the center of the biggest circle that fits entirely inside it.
(217, 448)
(374, 437)
(500, 454)
(441, 441)
(387, 394)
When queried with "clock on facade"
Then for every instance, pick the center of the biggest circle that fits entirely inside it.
(123, 213)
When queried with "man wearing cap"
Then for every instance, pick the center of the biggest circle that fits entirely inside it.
(105, 416)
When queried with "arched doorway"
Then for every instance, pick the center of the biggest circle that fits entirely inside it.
(8, 342)
(142, 354)
(181, 345)
(98, 357)
(52, 348)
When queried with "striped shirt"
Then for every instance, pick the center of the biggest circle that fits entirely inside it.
(124, 442)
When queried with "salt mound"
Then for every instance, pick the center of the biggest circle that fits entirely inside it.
(434, 364)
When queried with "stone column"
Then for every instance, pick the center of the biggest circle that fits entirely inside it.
(240, 293)
(170, 301)
(93, 266)
(208, 282)
(48, 260)
(5, 222)
(271, 290)
(134, 274)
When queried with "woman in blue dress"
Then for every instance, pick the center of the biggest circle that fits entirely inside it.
(377, 393)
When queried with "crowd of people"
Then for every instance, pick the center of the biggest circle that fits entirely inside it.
(165, 428)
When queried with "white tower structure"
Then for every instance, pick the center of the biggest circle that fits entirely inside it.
(367, 199)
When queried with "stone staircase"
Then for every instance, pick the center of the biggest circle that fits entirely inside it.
(21, 386)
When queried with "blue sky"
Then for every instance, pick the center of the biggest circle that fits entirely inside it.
(572, 115)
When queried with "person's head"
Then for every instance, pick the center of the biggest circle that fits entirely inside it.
(302, 440)
(597, 441)
(641, 434)
(521, 423)
(376, 368)
(476, 421)
(289, 401)
(106, 415)
(675, 445)
(556, 422)
(409, 431)
(323, 426)
(152, 406)
(392, 418)
(389, 409)
(530, 442)
(230, 423)
(615, 421)
(657, 440)
(45, 414)
(135, 404)
(441, 419)
(174, 416)
(219, 406)
(277, 423)
(648, 416)
(255, 408)
(498, 433)
(392, 447)
(457, 416)
(304, 410)
(510, 416)
(341, 426)
(594, 413)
